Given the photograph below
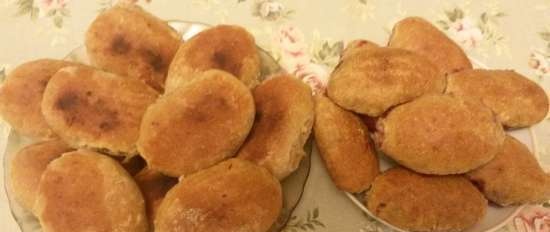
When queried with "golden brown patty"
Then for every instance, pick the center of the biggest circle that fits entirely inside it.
(27, 167)
(87, 191)
(416, 202)
(440, 134)
(129, 41)
(197, 125)
(418, 35)
(357, 46)
(95, 109)
(513, 176)
(153, 186)
(373, 80)
(344, 144)
(228, 48)
(284, 118)
(234, 195)
(516, 100)
(21, 95)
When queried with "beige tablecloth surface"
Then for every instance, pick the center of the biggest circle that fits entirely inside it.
(306, 37)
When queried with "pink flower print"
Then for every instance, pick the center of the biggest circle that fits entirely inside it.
(533, 219)
(45, 6)
(295, 58)
(291, 40)
(293, 50)
(466, 33)
(316, 76)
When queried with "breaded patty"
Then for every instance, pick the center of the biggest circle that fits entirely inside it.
(129, 41)
(344, 144)
(516, 100)
(416, 202)
(420, 36)
(373, 80)
(440, 134)
(235, 195)
(27, 167)
(284, 118)
(225, 47)
(89, 108)
(197, 125)
(153, 186)
(87, 191)
(21, 95)
(513, 177)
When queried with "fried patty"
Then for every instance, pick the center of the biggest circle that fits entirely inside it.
(235, 195)
(90, 108)
(513, 177)
(417, 202)
(88, 191)
(516, 100)
(372, 80)
(225, 47)
(440, 134)
(197, 125)
(131, 42)
(344, 144)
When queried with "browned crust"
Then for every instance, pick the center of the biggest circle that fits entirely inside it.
(418, 35)
(153, 186)
(88, 191)
(513, 177)
(343, 142)
(416, 202)
(95, 109)
(373, 80)
(440, 134)
(27, 167)
(21, 95)
(284, 118)
(224, 47)
(129, 41)
(197, 125)
(234, 195)
(516, 100)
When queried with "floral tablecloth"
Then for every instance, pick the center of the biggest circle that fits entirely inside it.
(306, 37)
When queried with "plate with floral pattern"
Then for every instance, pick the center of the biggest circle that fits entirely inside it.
(293, 185)
(496, 216)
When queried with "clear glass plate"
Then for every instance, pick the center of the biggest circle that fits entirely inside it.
(496, 216)
(293, 186)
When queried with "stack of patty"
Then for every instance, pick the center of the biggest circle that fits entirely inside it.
(419, 102)
(114, 138)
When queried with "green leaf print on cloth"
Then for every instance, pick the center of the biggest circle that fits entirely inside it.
(328, 53)
(26, 7)
(54, 9)
(310, 223)
(478, 33)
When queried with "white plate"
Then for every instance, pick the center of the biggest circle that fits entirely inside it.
(496, 216)
(293, 185)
